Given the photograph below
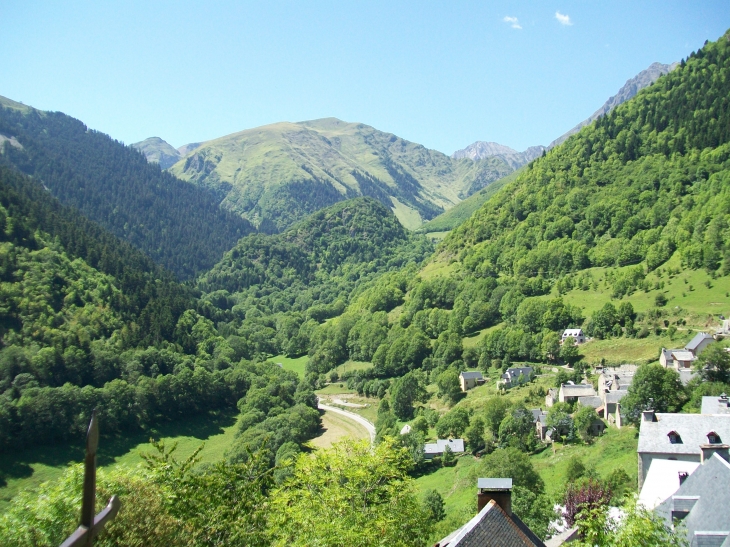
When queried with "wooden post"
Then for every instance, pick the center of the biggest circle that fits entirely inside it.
(91, 525)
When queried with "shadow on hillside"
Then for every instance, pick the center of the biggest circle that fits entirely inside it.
(20, 464)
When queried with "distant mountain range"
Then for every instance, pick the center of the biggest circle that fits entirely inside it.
(481, 150)
(276, 174)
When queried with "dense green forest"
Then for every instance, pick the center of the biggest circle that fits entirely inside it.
(279, 288)
(88, 321)
(645, 182)
(177, 224)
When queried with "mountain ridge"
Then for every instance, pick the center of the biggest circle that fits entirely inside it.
(276, 174)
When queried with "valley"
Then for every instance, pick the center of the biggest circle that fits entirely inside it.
(260, 291)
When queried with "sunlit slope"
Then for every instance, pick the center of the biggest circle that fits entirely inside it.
(649, 179)
(276, 174)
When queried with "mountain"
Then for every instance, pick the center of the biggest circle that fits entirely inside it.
(178, 225)
(158, 151)
(482, 150)
(629, 90)
(277, 174)
(452, 218)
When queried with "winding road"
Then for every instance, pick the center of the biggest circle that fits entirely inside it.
(368, 425)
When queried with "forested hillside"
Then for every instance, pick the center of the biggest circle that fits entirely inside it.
(87, 321)
(277, 174)
(178, 225)
(646, 182)
(278, 288)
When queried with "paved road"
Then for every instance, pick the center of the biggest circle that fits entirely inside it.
(355, 417)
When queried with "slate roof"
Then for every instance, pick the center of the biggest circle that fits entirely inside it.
(575, 333)
(662, 480)
(456, 445)
(516, 371)
(709, 513)
(471, 375)
(492, 527)
(692, 430)
(615, 396)
(578, 390)
(715, 405)
(494, 484)
(592, 401)
(536, 414)
(697, 340)
(668, 354)
(682, 355)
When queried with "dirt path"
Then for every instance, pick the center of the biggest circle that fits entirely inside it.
(353, 417)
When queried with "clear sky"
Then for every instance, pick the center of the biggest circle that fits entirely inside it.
(443, 74)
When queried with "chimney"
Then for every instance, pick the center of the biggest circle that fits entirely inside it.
(723, 400)
(499, 490)
(722, 450)
(648, 416)
(683, 477)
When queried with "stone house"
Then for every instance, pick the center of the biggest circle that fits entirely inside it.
(570, 392)
(495, 524)
(681, 437)
(516, 375)
(470, 379)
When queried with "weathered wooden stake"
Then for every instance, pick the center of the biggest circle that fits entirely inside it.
(91, 525)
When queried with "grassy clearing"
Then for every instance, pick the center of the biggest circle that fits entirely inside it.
(691, 294)
(295, 364)
(438, 268)
(350, 366)
(615, 449)
(29, 468)
(336, 427)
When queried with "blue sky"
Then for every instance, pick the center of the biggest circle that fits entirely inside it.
(443, 74)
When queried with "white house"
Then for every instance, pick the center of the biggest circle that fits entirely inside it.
(575, 334)
(431, 450)
(681, 437)
(570, 392)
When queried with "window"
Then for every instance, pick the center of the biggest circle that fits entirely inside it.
(714, 438)
(674, 437)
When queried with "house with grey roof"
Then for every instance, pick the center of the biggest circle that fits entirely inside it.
(702, 504)
(612, 407)
(593, 401)
(515, 376)
(575, 334)
(495, 525)
(715, 405)
(470, 379)
(551, 397)
(698, 344)
(539, 418)
(681, 437)
(431, 450)
(570, 392)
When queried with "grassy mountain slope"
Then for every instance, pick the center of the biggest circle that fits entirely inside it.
(636, 203)
(178, 225)
(277, 174)
(158, 151)
(459, 213)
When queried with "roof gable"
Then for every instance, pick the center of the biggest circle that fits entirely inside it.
(697, 340)
(692, 429)
(492, 527)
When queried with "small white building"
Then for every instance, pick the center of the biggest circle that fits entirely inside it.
(570, 392)
(431, 450)
(575, 334)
